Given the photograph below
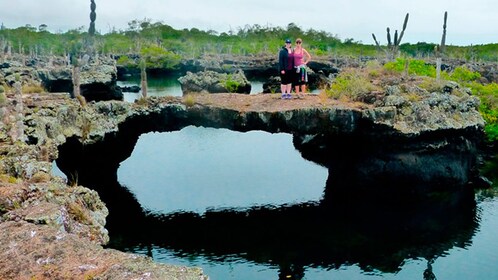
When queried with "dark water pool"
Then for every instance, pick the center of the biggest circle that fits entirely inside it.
(248, 206)
(167, 86)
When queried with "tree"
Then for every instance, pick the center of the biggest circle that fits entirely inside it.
(440, 49)
(143, 77)
(42, 27)
(76, 75)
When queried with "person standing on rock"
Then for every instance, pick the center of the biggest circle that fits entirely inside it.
(301, 58)
(286, 69)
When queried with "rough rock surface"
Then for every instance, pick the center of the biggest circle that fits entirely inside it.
(98, 75)
(431, 137)
(38, 251)
(214, 82)
(49, 229)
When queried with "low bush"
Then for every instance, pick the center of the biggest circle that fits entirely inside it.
(462, 74)
(352, 84)
(488, 94)
(431, 84)
(32, 88)
(230, 84)
(189, 100)
(411, 66)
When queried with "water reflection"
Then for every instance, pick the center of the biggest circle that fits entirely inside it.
(373, 229)
(329, 234)
(344, 229)
(203, 168)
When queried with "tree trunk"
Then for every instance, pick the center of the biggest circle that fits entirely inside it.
(438, 68)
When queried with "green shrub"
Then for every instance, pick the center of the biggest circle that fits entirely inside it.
(32, 88)
(158, 57)
(431, 84)
(491, 131)
(189, 100)
(125, 61)
(374, 68)
(462, 74)
(488, 94)
(230, 84)
(415, 67)
(351, 84)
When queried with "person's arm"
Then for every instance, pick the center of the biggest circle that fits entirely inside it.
(281, 67)
(307, 55)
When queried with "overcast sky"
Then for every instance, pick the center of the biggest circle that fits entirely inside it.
(469, 22)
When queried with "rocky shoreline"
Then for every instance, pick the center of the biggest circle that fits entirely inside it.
(49, 229)
(56, 229)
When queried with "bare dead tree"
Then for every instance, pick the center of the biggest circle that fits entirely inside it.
(440, 49)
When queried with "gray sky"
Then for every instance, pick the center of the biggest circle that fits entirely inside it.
(469, 22)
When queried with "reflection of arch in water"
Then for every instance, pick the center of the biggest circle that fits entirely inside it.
(371, 235)
(353, 224)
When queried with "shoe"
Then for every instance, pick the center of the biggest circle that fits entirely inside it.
(284, 96)
(289, 96)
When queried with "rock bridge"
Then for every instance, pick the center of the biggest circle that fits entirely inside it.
(376, 163)
(389, 150)
(427, 150)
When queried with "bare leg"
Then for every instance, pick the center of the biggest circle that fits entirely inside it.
(283, 89)
(299, 93)
(289, 88)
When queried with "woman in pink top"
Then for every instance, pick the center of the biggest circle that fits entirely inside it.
(301, 58)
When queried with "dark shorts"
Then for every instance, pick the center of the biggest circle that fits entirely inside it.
(297, 79)
(287, 78)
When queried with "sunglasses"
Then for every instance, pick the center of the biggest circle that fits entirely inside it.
(298, 42)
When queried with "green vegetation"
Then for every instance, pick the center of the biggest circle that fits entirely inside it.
(230, 84)
(32, 88)
(489, 107)
(463, 75)
(162, 46)
(355, 85)
(160, 39)
(158, 57)
(488, 93)
(412, 66)
(189, 100)
(126, 61)
(351, 84)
